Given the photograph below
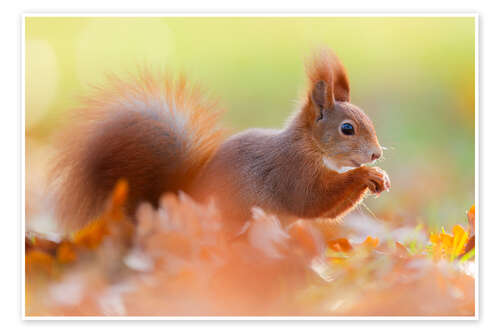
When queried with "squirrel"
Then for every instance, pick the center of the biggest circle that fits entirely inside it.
(161, 135)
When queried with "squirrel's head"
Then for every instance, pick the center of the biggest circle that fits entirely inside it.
(342, 131)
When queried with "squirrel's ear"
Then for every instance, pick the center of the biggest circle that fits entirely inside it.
(341, 88)
(328, 77)
(319, 95)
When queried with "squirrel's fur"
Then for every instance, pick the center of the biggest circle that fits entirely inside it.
(154, 132)
(161, 136)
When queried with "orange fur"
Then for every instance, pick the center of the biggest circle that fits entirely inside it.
(127, 129)
(161, 136)
(326, 66)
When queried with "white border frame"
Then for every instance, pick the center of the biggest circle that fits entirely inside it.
(246, 14)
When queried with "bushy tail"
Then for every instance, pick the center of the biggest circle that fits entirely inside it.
(152, 131)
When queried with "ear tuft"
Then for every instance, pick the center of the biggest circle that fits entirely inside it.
(325, 66)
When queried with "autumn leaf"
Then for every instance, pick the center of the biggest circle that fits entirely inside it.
(39, 260)
(180, 255)
(42, 253)
(66, 253)
(92, 234)
(448, 246)
(460, 237)
(340, 245)
(370, 242)
(471, 218)
(118, 200)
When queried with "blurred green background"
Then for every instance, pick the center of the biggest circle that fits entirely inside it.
(413, 76)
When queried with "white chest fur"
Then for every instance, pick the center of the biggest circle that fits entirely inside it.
(330, 164)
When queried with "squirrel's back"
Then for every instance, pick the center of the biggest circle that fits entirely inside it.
(152, 131)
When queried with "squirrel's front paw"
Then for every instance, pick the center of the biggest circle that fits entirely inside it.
(377, 180)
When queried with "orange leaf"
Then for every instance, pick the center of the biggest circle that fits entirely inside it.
(91, 235)
(370, 242)
(340, 245)
(37, 259)
(65, 253)
(471, 217)
(338, 261)
(39, 242)
(449, 246)
(460, 238)
(447, 240)
(434, 238)
(118, 199)
(471, 243)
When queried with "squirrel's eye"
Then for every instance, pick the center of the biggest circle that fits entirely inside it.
(347, 129)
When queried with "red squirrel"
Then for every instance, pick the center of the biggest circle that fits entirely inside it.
(161, 136)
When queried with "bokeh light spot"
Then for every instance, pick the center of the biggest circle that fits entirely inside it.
(121, 45)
